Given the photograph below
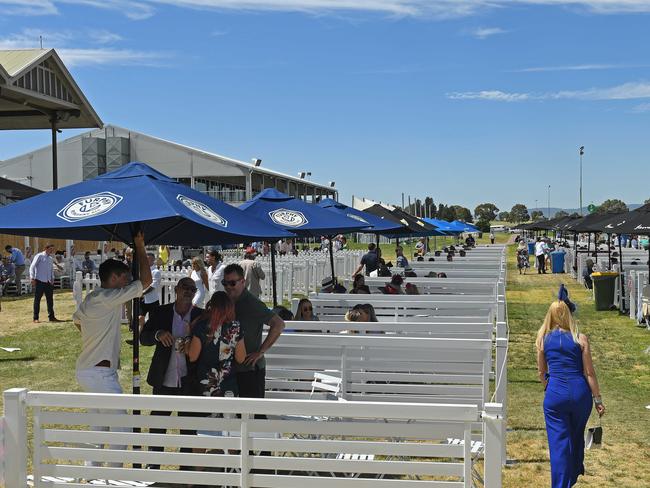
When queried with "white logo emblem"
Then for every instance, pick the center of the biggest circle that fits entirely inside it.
(356, 217)
(202, 210)
(83, 208)
(290, 218)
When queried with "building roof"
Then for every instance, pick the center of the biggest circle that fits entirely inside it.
(13, 191)
(35, 86)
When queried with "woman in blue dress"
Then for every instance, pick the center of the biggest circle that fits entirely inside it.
(567, 372)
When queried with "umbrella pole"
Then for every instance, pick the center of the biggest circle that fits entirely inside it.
(331, 247)
(609, 250)
(135, 326)
(274, 276)
(622, 308)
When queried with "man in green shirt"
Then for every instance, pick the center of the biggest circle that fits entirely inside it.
(252, 314)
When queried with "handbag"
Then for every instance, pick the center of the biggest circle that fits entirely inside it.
(594, 436)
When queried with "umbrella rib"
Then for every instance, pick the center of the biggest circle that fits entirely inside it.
(166, 231)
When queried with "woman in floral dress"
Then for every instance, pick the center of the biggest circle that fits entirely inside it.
(217, 342)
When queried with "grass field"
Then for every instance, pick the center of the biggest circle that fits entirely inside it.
(49, 351)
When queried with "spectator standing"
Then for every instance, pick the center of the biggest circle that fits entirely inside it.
(369, 261)
(151, 296)
(215, 272)
(170, 373)
(200, 277)
(401, 260)
(98, 318)
(18, 260)
(253, 273)
(492, 237)
(252, 314)
(41, 273)
(540, 255)
(567, 372)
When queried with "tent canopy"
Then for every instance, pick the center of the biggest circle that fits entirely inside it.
(379, 224)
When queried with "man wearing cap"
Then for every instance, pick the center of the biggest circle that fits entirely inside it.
(331, 285)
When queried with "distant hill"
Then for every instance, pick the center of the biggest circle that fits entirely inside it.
(554, 210)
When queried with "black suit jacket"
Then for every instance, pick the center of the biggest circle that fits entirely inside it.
(161, 318)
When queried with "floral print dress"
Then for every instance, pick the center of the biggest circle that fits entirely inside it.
(216, 363)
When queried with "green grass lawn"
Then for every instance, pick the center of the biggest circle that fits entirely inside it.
(623, 372)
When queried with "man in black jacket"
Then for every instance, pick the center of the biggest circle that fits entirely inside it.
(170, 372)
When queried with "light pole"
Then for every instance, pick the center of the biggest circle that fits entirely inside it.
(549, 202)
(582, 151)
(536, 207)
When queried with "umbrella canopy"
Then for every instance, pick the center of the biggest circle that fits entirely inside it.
(412, 226)
(379, 224)
(302, 218)
(464, 226)
(109, 207)
(443, 226)
(592, 222)
(635, 222)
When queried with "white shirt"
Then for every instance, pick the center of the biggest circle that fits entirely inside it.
(540, 247)
(100, 315)
(215, 277)
(177, 367)
(154, 294)
(42, 268)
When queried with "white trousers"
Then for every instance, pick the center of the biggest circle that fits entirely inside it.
(102, 380)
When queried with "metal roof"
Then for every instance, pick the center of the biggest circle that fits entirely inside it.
(35, 86)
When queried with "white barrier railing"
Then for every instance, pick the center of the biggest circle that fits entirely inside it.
(273, 443)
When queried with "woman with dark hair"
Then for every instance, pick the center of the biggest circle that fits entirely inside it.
(394, 287)
(305, 311)
(359, 285)
(217, 342)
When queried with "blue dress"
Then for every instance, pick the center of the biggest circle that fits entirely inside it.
(567, 406)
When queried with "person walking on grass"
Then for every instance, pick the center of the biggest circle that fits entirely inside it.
(567, 372)
(41, 273)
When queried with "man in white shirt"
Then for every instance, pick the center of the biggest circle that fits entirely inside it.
(540, 256)
(99, 320)
(215, 271)
(41, 272)
(151, 296)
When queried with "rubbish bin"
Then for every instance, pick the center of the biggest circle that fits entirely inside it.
(604, 286)
(557, 261)
(531, 248)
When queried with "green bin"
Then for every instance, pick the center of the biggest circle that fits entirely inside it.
(604, 286)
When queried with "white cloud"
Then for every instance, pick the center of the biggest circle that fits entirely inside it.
(626, 91)
(580, 67)
(79, 49)
(641, 108)
(485, 32)
(495, 95)
(141, 9)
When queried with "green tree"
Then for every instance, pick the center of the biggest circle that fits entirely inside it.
(537, 215)
(613, 205)
(561, 213)
(646, 202)
(462, 213)
(486, 211)
(519, 213)
(446, 213)
(430, 207)
(504, 216)
(483, 225)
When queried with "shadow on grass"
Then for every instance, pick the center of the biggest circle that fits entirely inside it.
(27, 358)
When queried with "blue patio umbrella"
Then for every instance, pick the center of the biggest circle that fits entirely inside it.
(379, 224)
(443, 225)
(464, 226)
(302, 218)
(116, 205)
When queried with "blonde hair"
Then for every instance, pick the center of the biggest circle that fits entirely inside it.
(558, 315)
(199, 263)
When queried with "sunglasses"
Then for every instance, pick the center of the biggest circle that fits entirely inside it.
(230, 283)
(189, 288)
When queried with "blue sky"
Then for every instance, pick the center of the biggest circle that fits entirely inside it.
(468, 101)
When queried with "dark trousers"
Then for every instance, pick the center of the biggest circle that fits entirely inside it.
(184, 390)
(47, 289)
(252, 383)
(541, 263)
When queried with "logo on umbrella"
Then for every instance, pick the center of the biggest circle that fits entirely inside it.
(202, 210)
(89, 206)
(290, 218)
(356, 217)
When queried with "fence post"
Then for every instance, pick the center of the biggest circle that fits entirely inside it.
(77, 288)
(244, 451)
(493, 438)
(15, 437)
